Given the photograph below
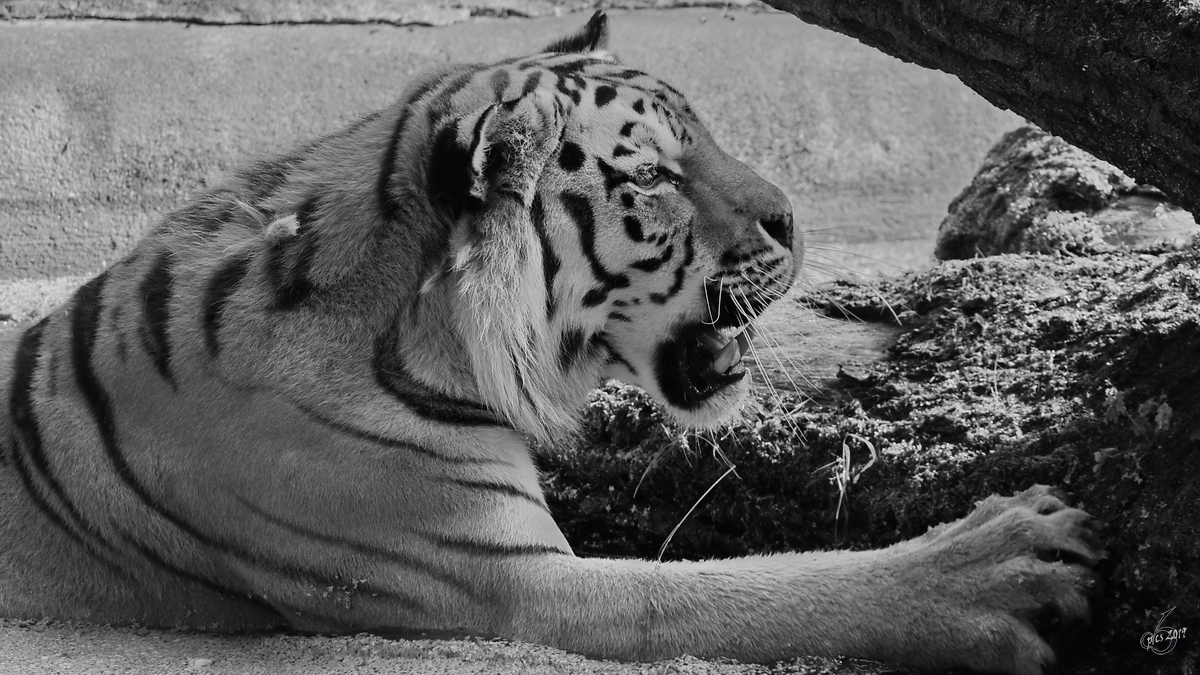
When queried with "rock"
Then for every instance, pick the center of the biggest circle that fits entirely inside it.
(1036, 193)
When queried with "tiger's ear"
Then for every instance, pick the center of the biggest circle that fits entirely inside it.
(501, 148)
(457, 161)
(497, 149)
(593, 37)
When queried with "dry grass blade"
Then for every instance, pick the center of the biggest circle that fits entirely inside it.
(667, 542)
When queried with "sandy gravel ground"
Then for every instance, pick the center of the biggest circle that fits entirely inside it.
(58, 649)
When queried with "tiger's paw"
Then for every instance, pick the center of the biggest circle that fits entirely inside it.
(995, 589)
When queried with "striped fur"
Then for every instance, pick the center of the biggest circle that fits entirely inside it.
(305, 400)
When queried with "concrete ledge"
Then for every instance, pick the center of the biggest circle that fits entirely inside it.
(262, 12)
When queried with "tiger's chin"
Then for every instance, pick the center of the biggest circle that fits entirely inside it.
(699, 374)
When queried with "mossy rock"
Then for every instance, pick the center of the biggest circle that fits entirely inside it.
(1036, 193)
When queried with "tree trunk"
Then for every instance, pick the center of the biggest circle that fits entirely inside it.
(1120, 79)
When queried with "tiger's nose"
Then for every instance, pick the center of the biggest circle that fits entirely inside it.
(778, 226)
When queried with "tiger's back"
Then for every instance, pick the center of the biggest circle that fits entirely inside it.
(305, 399)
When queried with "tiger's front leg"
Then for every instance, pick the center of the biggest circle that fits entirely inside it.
(964, 595)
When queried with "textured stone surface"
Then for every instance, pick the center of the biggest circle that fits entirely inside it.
(1036, 193)
(400, 12)
(261, 12)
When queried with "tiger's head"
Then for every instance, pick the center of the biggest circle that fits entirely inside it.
(595, 231)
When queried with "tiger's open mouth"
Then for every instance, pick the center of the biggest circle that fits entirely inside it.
(700, 360)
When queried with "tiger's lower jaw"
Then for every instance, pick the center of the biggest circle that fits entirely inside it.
(700, 368)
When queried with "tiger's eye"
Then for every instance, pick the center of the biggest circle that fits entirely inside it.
(647, 175)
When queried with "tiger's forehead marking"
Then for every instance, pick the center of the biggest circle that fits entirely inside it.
(584, 83)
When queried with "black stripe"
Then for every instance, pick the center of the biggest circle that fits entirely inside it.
(490, 549)
(520, 380)
(114, 319)
(633, 228)
(531, 83)
(680, 273)
(614, 356)
(514, 59)
(570, 66)
(440, 105)
(682, 102)
(387, 200)
(575, 96)
(222, 285)
(155, 294)
(52, 374)
(550, 260)
(23, 366)
(661, 298)
(500, 82)
(678, 129)
(627, 128)
(502, 488)
(391, 373)
(613, 178)
(639, 107)
(570, 348)
(595, 296)
(579, 208)
(390, 555)
(477, 131)
(651, 264)
(157, 560)
(40, 502)
(625, 74)
(28, 437)
(622, 151)
(388, 442)
(354, 126)
(449, 175)
(264, 178)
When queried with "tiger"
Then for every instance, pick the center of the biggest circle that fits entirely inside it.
(307, 400)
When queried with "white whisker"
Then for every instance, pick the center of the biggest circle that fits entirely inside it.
(773, 392)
